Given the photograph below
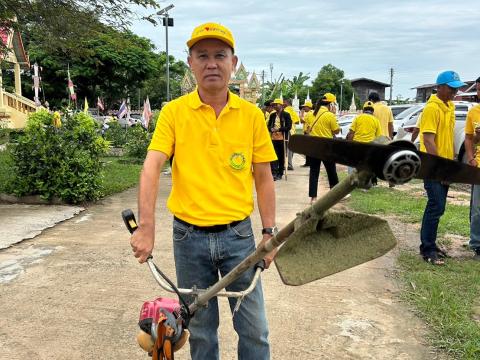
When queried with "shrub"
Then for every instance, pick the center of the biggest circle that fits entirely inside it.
(116, 134)
(59, 161)
(4, 132)
(138, 140)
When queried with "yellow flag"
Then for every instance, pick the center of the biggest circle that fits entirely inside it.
(57, 122)
(85, 108)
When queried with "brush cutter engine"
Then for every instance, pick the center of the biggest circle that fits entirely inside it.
(162, 328)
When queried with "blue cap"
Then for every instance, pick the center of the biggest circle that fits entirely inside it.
(450, 78)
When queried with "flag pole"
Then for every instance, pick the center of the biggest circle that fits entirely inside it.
(68, 90)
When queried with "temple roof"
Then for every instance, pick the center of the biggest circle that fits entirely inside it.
(12, 40)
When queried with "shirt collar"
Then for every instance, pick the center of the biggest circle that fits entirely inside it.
(195, 102)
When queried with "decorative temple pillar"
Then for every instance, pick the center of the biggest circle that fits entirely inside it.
(18, 84)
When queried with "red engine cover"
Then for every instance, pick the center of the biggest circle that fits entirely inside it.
(150, 309)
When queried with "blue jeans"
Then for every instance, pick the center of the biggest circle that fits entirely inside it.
(199, 258)
(475, 218)
(437, 199)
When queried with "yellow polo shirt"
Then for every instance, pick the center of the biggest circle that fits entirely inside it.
(325, 125)
(294, 116)
(212, 179)
(384, 115)
(439, 119)
(366, 128)
(308, 119)
(473, 121)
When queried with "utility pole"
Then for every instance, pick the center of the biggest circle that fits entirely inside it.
(271, 72)
(167, 21)
(341, 95)
(391, 86)
(263, 87)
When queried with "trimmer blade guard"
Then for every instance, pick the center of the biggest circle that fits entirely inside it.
(324, 246)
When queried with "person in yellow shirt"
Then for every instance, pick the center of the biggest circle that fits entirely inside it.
(472, 144)
(306, 118)
(295, 120)
(324, 125)
(365, 127)
(436, 138)
(383, 113)
(222, 147)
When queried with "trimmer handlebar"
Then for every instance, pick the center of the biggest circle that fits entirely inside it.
(131, 224)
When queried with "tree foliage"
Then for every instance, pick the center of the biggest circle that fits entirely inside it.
(113, 65)
(329, 79)
(287, 87)
(64, 22)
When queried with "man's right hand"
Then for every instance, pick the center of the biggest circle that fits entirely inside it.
(142, 242)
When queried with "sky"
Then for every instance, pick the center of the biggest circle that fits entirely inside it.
(418, 39)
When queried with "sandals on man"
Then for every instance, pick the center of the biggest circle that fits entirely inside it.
(434, 260)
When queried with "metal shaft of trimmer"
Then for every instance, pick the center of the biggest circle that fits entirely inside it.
(337, 193)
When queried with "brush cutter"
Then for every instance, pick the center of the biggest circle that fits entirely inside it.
(317, 243)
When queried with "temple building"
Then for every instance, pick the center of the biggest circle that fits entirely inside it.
(247, 86)
(14, 108)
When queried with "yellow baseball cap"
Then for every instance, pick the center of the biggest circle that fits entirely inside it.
(278, 101)
(211, 31)
(308, 103)
(329, 97)
(368, 105)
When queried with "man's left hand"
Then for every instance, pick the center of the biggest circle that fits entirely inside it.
(271, 255)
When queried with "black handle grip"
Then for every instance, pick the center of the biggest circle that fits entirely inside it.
(129, 220)
(261, 264)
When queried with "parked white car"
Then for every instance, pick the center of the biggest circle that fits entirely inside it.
(397, 109)
(344, 122)
(405, 116)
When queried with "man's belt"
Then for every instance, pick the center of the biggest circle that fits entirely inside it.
(211, 228)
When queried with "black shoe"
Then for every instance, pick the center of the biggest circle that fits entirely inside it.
(290, 168)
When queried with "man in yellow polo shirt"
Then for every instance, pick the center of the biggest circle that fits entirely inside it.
(383, 113)
(306, 118)
(324, 125)
(472, 144)
(436, 138)
(295, 120)
(222, 146)
(365, 127)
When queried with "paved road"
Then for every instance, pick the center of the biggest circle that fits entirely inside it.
(80, 291)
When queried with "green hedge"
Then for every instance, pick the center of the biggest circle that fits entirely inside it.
(53, 160)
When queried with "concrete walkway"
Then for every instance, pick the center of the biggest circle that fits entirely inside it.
(27, 221)
(80, 292)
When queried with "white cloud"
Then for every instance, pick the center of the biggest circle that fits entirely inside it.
(417, 38)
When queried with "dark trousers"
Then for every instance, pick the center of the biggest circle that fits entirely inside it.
(315, 172)
(278, 166)
(437, 199)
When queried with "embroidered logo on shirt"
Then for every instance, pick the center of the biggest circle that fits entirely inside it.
(237, 161)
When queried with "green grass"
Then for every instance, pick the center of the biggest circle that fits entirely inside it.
(445, 297)
(409, 209)
(120, 174)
